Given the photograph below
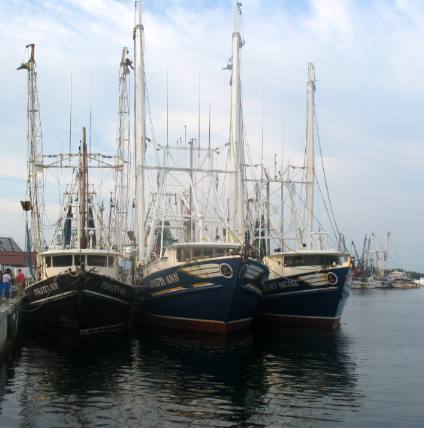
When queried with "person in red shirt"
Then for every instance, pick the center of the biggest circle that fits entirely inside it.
(20, 282)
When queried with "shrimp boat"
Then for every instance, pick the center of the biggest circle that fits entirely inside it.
(308, 287)
(195, 270)
(78, 284)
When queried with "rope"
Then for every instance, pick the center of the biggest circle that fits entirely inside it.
(332, 218)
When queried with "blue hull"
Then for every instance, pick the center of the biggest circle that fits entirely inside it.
(217, 295)
(316, 299)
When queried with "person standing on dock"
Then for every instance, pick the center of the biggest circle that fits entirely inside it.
(7, 282)
(20, 283)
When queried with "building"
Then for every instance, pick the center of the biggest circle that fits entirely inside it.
(11, 255)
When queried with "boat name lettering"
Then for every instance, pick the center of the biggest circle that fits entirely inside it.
(171, 278)
(113, 288)
(280, 285)
(45, 289)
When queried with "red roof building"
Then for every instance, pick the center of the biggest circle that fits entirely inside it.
(12, 255)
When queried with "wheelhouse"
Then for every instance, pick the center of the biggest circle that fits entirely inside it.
(286, 264)
(99, 261)
(195, 251)
(314, 259)
(188, 252)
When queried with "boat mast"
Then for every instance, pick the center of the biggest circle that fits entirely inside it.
(268, 214)
(139, 132)
(310, 161)
(83, 192)
(191, 224)
(237, 220)
(35, 186)
(282, 199)
(121, 181)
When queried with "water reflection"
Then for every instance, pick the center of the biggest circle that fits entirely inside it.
(68, 381)
(258, 380)
(163, 378)
(310, 375)
(206, 381)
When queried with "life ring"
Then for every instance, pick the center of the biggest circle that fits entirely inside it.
(332, 278)
(226, 270)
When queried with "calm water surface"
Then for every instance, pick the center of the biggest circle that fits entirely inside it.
(368, 373)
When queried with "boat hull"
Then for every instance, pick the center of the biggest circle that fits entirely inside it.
(84, 302)
(216, 296)
(313, 300)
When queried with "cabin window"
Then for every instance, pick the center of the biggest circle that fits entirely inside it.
(197, 253)
(341, 259)
(187, 254)
(292, 261)
(180, 253)
(48, 261)
(62, 261)
(220, 251)
(96, 260)
(208, 252)
(111, 261)
(313, 260)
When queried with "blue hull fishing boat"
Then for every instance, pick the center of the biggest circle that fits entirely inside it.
(194, 270)
(308, 287)
(306, 290)
(217, 292)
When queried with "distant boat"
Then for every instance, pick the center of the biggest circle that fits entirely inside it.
(307, 287)
(399, 279)
(370, 266)
(419, 282)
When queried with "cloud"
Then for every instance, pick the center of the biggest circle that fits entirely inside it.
(368, 62)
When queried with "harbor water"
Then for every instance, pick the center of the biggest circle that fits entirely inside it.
(370, 372)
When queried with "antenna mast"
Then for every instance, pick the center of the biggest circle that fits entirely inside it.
(35, 181)
(139, 133)
(310, 160)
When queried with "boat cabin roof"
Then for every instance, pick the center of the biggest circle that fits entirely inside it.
(96, 252)
(308, 252)
(205, 245)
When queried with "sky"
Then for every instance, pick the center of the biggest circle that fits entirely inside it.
(369, 100)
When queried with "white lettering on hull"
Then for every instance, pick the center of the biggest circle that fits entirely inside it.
(45, 289)
(169, 279)
(280, 285)
(113, 288)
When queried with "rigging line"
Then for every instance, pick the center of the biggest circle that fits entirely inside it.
(333, 226)
(316, 219)
(301, 202)
(324, 174)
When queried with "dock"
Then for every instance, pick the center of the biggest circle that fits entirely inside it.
(9, 322)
